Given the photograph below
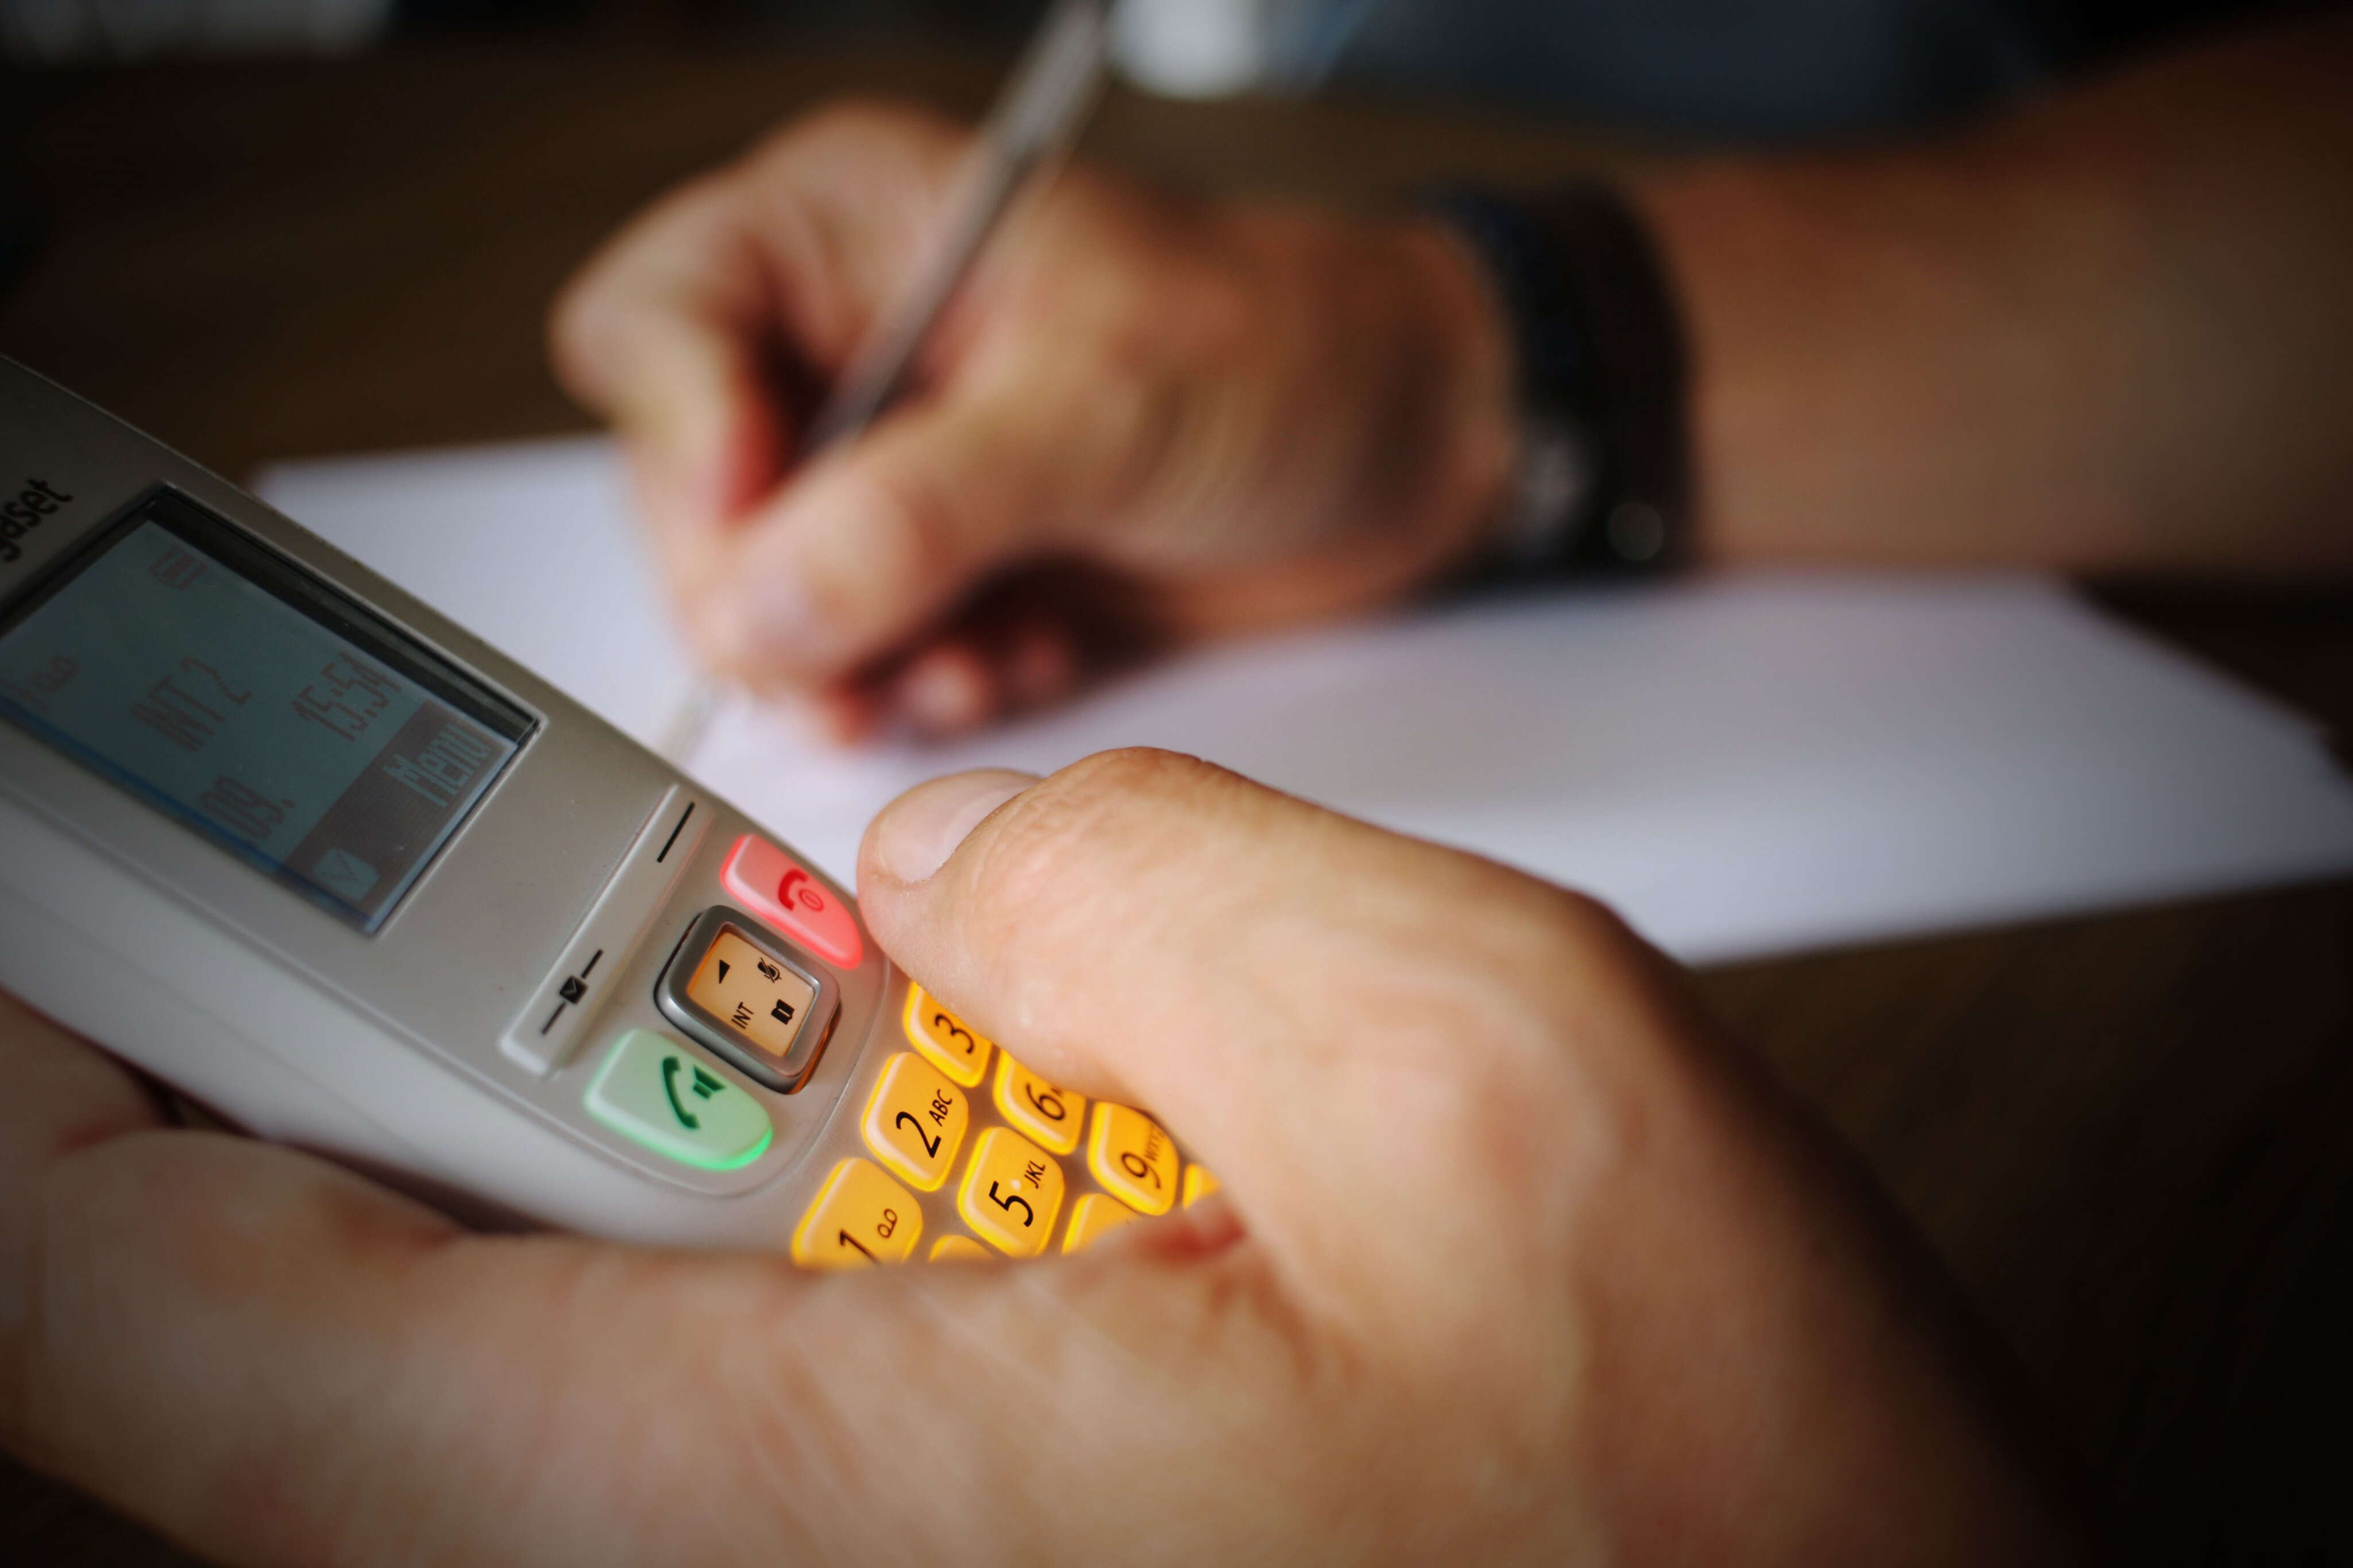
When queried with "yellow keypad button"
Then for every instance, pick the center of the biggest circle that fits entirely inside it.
(1011, 1192)
(940, 1035)
(860, 1217)
(958, 1249)
(1093, 1215)
(1048, 1115)
(1198, 1184)
(915, 1120)
(1131, 1156)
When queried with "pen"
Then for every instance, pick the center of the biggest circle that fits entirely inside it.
(1036, 119)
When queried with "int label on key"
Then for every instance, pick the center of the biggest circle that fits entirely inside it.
(759, 999)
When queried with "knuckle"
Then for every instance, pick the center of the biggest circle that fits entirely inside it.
(1537, 937)
(1130, 772)
(1116, 397)
(856, 122)
(577, 331)
(1093, 827)
(912, 527)
(580, 332)
(1584, 921)
(601, 308)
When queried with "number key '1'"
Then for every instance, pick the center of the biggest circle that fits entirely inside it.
(860, 1217)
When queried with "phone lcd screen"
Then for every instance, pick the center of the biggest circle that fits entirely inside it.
(229, 688)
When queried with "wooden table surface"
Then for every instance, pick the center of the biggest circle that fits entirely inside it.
(2131, 1136)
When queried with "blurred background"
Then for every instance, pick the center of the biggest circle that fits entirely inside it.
(1796, 68)
(266, 151)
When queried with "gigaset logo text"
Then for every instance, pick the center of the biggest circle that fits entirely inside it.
(31, 507)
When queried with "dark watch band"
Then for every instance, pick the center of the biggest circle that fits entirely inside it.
(1604, 481)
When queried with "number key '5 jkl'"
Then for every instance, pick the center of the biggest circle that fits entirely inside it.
(1012, 1192)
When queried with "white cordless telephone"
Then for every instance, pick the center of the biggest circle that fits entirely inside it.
(283, 837)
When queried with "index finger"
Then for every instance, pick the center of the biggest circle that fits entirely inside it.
(663, 334)
(61, 1096)
(681, 328)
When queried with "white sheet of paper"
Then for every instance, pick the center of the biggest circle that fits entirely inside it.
(1742, 765)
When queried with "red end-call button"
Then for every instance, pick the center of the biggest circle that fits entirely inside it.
(774, 885)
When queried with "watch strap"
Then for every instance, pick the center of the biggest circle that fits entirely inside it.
(1603, 482)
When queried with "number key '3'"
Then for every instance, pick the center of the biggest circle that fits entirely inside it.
(943, 1038)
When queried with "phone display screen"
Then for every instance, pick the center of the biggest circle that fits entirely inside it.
(230, 690)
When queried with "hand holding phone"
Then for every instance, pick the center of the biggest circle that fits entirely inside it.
(1516, 1258)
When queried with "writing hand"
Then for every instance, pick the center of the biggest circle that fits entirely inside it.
(1143, 419)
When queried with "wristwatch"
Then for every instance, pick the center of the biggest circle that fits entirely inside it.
(1602, 483)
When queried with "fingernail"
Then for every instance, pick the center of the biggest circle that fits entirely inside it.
(916, 833)
(947, 692)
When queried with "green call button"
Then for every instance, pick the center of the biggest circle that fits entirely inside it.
(659, 1093)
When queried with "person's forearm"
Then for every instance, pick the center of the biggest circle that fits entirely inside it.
(2112, 331)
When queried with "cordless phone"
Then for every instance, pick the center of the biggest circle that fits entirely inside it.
(276, 832)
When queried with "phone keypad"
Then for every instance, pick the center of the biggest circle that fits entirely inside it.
(861, 1218)
(941, 1036)
(1003, 1174)
(1130, 1155)
(1048, 1116)
(915, 1120)
(1012, 1192)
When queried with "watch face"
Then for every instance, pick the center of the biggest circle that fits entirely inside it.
(1551, 486)
(1602, 482)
